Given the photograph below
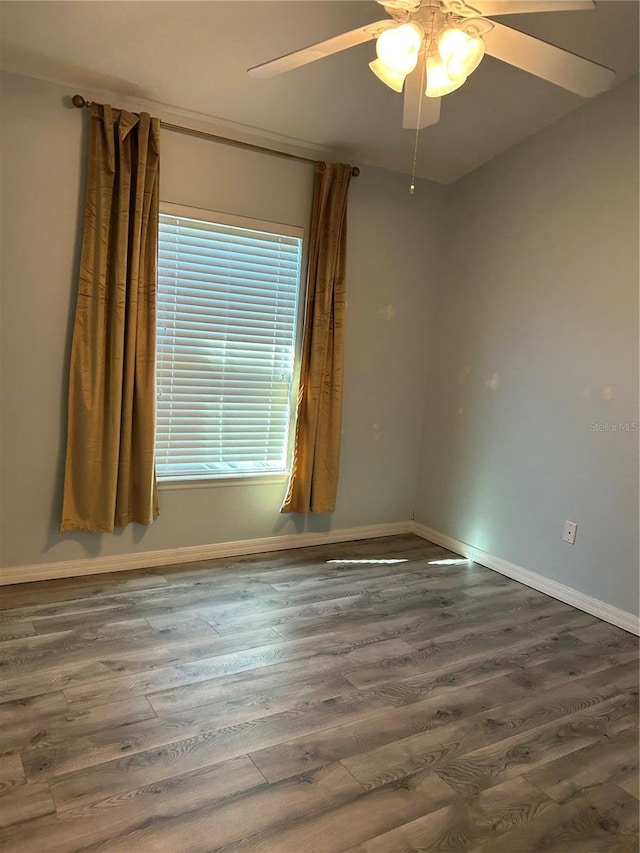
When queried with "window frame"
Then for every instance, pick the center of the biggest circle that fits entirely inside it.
(271, 227)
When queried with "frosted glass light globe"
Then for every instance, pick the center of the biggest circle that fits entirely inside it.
(439, 82)
(393, 79)
(399, 47)
(460, 52)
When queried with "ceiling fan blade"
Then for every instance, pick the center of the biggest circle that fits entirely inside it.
(547, 61)
(416, 101)
(318, 51)
(517, 7)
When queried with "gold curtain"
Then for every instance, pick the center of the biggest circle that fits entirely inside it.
(110, 461)
(314, 476)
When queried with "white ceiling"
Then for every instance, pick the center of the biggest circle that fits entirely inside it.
(194, 55)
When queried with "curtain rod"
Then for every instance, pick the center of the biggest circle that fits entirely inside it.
(80, 102)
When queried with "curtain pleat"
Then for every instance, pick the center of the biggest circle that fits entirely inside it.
(110, 458)
(313, 482)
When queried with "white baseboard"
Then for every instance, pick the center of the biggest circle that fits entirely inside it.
(194, 553)
(191, 554)
(594, 606)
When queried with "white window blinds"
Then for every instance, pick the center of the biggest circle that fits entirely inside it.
(227, 317)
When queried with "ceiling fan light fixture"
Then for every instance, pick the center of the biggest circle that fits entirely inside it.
(399, 47)
(439, 82)
(460, 52)
(393, 79)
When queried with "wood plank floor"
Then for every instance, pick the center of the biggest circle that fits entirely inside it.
(372, 696)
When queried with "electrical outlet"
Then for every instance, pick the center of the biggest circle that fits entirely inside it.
(569, 533)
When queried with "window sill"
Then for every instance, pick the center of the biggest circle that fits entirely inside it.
(215, 482)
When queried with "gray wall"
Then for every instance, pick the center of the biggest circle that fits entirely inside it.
(535, 342)
(522, 325)
(393, 239)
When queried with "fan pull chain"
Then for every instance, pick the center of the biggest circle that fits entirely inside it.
(412, 188)
(423, 80)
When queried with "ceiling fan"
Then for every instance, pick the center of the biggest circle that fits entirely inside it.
(428, 48)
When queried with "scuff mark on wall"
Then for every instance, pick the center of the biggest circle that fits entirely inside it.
(464, 374)
(494, 381)
(387, 313)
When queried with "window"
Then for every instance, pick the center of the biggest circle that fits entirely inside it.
(227, 320)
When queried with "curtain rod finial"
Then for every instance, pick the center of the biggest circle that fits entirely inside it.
(78, 101)
(355, 171)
